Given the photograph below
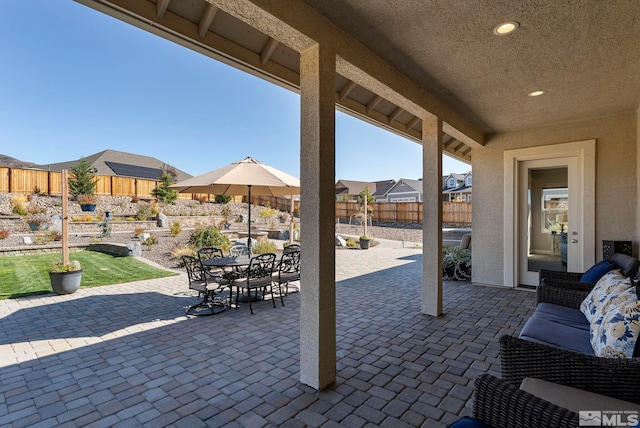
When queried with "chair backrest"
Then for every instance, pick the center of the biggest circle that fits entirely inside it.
(289, 262)
(195, 271)
(208, 253)
(291, 247)
(261, 266)
(239, 250)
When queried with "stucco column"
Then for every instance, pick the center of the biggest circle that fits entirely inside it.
(432, 216)
(317, 169)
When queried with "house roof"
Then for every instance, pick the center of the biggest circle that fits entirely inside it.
(116, 163)
(352, 187)
(414, 184)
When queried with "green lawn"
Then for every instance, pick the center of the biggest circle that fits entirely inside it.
(25, 275)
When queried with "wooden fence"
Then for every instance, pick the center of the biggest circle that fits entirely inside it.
(15, 180)
(453, 213)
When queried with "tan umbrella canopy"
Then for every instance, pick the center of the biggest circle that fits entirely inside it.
(242, 178)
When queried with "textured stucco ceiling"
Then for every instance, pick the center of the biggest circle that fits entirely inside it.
(585, 54)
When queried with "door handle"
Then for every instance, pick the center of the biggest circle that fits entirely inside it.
(574, 241)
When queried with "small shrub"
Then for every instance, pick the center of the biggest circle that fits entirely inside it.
(134, 199)
(4, 233)
(262, 247)
(41, 238)
(201, 198)
(150, 241)
(31, 209)
(18, 204)
(182, 250)
(175, 229)
(351, 243)
(61, 267)
(138, 231)
(144, 212)
(86, 199)
(209, 236)
(222, 199)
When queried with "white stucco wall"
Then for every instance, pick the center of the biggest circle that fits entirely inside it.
(616, 185)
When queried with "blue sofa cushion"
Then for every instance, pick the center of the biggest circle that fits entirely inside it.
(469, 422)
(597, 271)
(560, 327)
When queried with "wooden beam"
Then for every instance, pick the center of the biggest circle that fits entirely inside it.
(268, 50)
(161, 8)
(350, 86)
(394, 114)
(206, 20)
(413, 122)
(373, 103)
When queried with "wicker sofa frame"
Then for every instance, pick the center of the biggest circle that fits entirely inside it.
(502, 404)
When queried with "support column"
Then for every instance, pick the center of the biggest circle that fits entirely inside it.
(432, 216)
(317, 160)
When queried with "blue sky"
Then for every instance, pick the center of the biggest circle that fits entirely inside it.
(74, 82)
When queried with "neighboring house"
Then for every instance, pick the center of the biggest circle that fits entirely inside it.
(122, 164)
(349, 190)
(405, 190)
(457, 187)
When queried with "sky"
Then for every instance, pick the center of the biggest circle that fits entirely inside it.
(74, 82)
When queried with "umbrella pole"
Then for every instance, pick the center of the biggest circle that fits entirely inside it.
(249, 217)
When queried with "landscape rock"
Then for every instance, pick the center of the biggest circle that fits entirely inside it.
(135, 249)
(162, 220)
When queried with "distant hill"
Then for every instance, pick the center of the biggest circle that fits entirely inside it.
(8, 161)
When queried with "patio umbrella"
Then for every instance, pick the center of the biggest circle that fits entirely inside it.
(244, 177)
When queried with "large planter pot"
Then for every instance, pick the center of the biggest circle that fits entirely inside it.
(88, 207)
(365, 243)
(65, 282)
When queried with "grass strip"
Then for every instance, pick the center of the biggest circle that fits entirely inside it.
(28, 274)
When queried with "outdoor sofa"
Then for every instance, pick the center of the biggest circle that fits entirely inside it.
(555, 343)
(551, 375)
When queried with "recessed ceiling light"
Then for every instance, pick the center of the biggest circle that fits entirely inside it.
(506, 28)
(535, 93)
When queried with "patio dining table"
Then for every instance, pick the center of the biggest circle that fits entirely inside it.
(238, 265)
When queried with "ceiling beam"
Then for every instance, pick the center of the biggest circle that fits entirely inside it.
(394, 114)
(346, 90)
(161, 8)
(413, 122)
(206, 20)
(373, 103)
(268, 50)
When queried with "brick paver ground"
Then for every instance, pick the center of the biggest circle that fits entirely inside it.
(125, 355)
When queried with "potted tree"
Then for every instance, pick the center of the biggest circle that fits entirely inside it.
(83, 184)
(65, 278)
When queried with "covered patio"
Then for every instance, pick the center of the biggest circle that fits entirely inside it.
(560, 92)
(125, 355)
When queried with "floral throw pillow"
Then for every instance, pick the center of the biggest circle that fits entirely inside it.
(596, 304)
(616, 335)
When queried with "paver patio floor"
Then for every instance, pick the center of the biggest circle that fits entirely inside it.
(125, 355)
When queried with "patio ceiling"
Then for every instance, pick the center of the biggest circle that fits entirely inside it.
(583, 54)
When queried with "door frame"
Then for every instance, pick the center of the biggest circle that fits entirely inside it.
(585, 153)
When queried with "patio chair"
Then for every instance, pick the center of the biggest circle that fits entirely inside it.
(291, 247)
(208, 253)
(213, 301)
(257, 278)
(239, 250)
(288, 270)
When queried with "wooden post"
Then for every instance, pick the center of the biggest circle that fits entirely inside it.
(65, 218)
(366, 212)
(291, 227)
